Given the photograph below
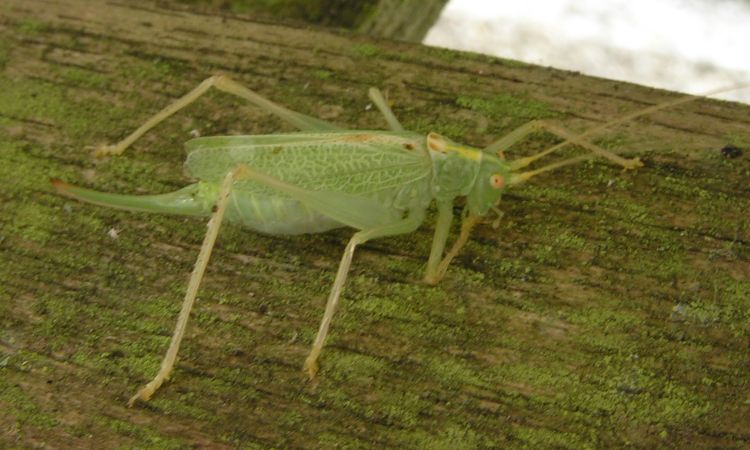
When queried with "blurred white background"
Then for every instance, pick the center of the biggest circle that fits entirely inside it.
(684, 45)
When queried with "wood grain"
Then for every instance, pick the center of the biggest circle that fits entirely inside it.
(608, 310)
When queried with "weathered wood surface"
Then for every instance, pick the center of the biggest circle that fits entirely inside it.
(608, 310)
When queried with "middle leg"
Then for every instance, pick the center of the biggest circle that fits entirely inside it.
(407, 225)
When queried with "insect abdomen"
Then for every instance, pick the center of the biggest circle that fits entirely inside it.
(276, 214)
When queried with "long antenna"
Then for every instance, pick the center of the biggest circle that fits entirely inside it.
(643, 112)
(579, 139)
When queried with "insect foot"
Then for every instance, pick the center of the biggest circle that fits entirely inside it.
(311, 362)
(632, 164)
(145, 392)
(103, 150)
(311, 366)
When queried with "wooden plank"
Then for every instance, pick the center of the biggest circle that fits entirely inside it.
(609, 309)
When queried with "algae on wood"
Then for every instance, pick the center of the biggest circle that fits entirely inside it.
(609, 309)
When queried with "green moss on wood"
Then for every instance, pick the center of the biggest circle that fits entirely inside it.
(608, 309)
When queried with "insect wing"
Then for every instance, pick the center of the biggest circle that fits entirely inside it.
(355, 162)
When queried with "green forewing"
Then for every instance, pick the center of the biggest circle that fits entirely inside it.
(355, 162)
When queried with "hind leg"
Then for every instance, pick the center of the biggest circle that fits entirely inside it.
(225, 84)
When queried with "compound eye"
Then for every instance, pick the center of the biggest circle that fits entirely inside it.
(497, 181)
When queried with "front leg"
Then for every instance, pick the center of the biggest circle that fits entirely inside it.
(467, 225)
(442, 229)
(502, 144)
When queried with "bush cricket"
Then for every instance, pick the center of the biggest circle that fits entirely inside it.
(381, 183)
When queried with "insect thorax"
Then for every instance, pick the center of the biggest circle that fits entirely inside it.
(459, 170)
(454, 167)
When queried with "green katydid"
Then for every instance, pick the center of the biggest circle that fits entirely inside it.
(380, 183)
